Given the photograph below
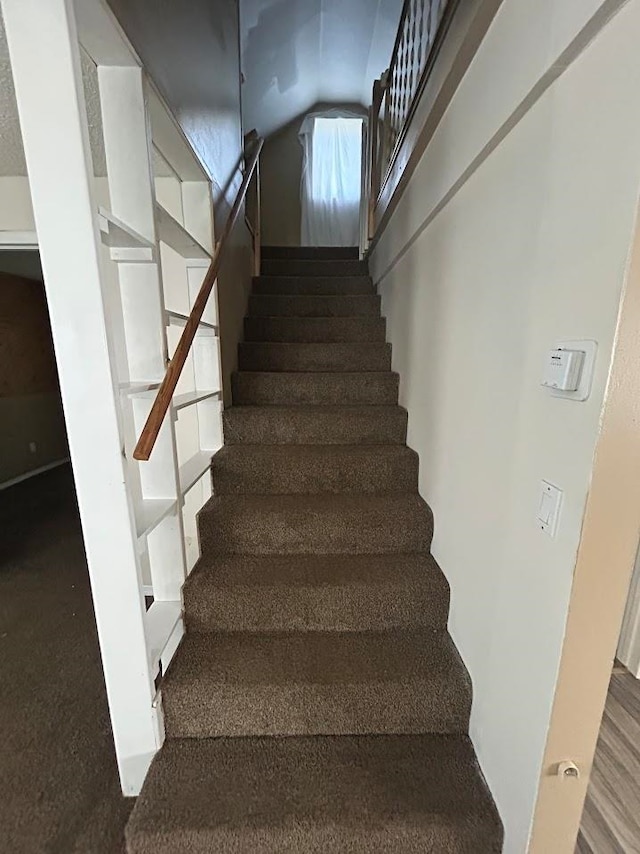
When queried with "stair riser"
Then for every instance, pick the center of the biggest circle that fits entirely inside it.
(314, 306)
(257, 426)
(314, 837)
(261, 356)
(314, 389)
(311, 253)
(307, 609)
(314, 329)
(309, 533)
(346, 709)
(313, 285)
(248, 474)
(292, 267)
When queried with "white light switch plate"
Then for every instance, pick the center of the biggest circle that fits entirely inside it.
(549, 507)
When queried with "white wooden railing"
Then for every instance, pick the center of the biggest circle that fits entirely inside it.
(396, 93)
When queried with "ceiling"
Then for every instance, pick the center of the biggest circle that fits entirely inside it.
(12, 162)
(297, 53)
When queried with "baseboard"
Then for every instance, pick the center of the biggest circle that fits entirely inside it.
(27, 475)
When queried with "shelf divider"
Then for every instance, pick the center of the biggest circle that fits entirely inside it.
(175, 235)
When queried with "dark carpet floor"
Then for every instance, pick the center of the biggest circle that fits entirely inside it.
(59, 788)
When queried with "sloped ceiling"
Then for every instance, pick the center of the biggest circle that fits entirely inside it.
(296, 53)
(12, 162)
(11, 152)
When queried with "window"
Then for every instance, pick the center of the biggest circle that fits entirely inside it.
(332, 182)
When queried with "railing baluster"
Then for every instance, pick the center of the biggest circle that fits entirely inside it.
(412, 51)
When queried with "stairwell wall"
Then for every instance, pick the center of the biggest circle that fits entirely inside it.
(512, 235)
(33, 432)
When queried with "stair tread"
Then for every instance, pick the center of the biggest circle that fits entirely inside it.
(300, 424)
(311, 469)
(314, 305)
(311, 285)
(314, 266)
(316, 523)
(315, 387)
(240, 571)
(315, 329)
(393, 794)
(315, 593)
(323, 683)
(364, 356)
(298, 454)
(318, 658)
(314, 504)
(310, 252)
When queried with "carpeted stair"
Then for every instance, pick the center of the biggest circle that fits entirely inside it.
(317, 702)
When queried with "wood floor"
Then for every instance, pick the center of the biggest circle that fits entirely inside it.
(611, 818)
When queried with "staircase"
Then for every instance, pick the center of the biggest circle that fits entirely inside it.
(317, 702)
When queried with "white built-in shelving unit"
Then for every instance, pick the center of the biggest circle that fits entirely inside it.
(157, 236)
(119, 295)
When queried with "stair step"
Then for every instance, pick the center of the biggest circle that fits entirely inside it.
(315, 425)
(279, 356)
(330, 253)
(313, 267)
(322, 330)
(319, 593)
(309, 285)
(295, 305)
(315, 524)
(288, 469)
(315, 683)
(256, 388)
(406, 794)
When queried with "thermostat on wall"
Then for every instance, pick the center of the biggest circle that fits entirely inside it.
(562, 370)
(568, 369)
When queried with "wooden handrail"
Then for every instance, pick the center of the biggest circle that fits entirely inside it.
(162, 402)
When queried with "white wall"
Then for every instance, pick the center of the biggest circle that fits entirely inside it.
(296, 54)
(16, 213)
(529, 249)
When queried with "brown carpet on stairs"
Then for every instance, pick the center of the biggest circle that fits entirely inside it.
(317, 702)
(59, 788)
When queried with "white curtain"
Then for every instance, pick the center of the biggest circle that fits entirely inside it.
(331, 180)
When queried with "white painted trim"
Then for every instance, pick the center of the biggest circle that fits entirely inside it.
(102, 37)
(41, 470)
(18, 240)
(629, 644)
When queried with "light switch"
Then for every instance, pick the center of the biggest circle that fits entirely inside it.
(549, 507)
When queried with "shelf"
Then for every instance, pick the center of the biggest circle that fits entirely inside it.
(150, 512)
(138, 389)
(18, 239)
(194, 468)
(125, 243)
(175, 317)
(175, 235)
(163, 629)
(191, 397)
